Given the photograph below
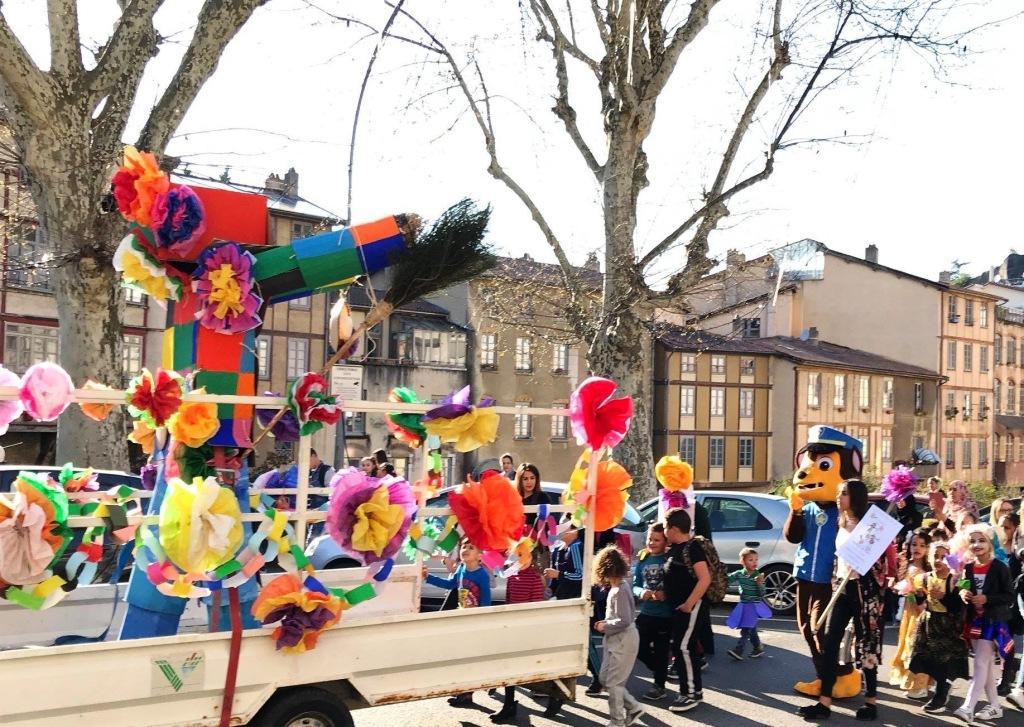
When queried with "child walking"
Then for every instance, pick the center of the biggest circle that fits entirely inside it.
(654, 622)
(621, 638)
(472, 582)
(751, 606)
(913, 563)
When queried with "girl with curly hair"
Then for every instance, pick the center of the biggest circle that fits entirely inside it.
(621, 639)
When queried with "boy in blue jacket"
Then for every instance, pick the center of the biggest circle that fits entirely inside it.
(654, 620)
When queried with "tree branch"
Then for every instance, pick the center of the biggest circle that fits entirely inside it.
(65, 40)
(25, 85)
(555, 36)
(219, 21)
(696, 21)
(563, 109)
(129, 36)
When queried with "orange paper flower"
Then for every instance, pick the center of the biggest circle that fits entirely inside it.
(97, 412)
(302, 614)
(194, 422)
(136, 185)
(674, 474)
(142, 434)
(490, 512)
(612, 482)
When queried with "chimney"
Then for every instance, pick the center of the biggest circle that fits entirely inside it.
(273, 184)
(944, 277)
(592, 263)
(871, 254)
(291, 183)
(733, 259)
(812, 335)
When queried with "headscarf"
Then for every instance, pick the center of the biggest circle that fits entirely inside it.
(953, 508)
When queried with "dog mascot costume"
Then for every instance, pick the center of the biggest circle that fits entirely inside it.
(828, 458)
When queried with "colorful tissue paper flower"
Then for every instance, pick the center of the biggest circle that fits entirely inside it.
(46, 391)
(674, 474)
(33, 529)
(285, 429)
(154, 397)
(9, 410)
(73, 480)
(597, 419)
(147, 475)
(312, 406)
(141, 270)
(367, 517)
(223, 280)
(179, 222)
(303, 614)
(490, 512)
(200, 524)
(194, 422)
(96, 412)
(143, 435)
(457, 421)
(898, 483)
(407, 428)
(612, 482)
(137, 184)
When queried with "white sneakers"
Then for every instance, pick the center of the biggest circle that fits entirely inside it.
(1016, 698)
(989, 712)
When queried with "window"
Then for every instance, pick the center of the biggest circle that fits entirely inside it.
(687, 363)
(560, 358)
(918, 397)
(733, 514)
(1009, 447)
(888, 395)
(950, 453)
(968, 312)
(950, 402)
(300, 303)
(965, 449)
(374, 345)
(814, 389)
(1021, 452)
(747, 327)
(131, 356)
(687, 401)
(301, 230)
(967, 406)
(1011, 396)
(983, 315)
(983, 406)
(968, 357)
(559, 425)
(717, 402)
(524, 422)
(983, 358)
(1021, 407)
(917, 443)
(997, 396)
(355, 424)
(29, 261)
(489, 350)
(951, 355)
(263, 357)
(456, 348)
(865, 439)
(718, 364)
(997, 350)
(747, 366)
(524, 354)
(426, 346)
(997, 449)
(746, 402)
(864, 394)
(886, 448)
(839, 395)
(953, 317)
(25, 345)
(298, 357)
(134, 295)
(716, 456)
(746, 452)
(688, 448)
(982, 452)
(1011, 351)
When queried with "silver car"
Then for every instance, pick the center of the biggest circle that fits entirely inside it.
(746, 519)
(324, 553)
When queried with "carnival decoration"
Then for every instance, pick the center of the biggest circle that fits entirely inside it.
(284, 429)
(302, 614)
(897, 484)
(406, 427)
(455, 420)
(143, 435)
(46, 391)
(490, 513)
(200, 525)
(137, 184)
(33, 529)
(194, 422)
(312, 406)
(154, 397)
(609, 503)
(599, 420)
(179, 222)
(369, 517)
(676, 479)
(9, 410)
(223, 282)
(96, 412)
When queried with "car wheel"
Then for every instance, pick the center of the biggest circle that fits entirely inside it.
(341, 563)
(304, 708)
(780, 590)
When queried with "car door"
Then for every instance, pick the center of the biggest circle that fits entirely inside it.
(736, 524)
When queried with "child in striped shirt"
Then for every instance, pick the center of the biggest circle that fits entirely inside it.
(751, 606)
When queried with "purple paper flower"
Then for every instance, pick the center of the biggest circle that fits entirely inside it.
(223, 280)
(455, 405)
(296, 623)
(352, 489)
(178, 221)
(148, 476)
(954, 562)
(898, 483)
(287, 427)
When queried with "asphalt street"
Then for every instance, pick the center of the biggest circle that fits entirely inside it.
(741, 694)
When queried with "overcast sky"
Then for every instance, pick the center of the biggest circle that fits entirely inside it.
(935, 179)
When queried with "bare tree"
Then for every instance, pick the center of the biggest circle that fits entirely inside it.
(629, 50)
(68, 124)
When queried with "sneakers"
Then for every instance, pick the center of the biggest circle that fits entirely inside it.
(935, 705)
(756, 653)
(989, 712)
(594, 689)
(654, 694)
(704, 662)
(867, 713)
(461, 700)
(963, 714)
(919, 694)
(634, 716)
(1016, 697)
(506, 716)
(735, 654)
(814, 711)
(684, 703)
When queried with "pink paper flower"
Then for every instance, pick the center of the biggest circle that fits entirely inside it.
(46, 391)
(369, 517)
(597, 419)
(224, 282)
(313, 407)
(9, 410)
(898, 483)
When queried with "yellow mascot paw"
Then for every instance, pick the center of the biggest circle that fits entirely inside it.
(811, 689)
(847, 686)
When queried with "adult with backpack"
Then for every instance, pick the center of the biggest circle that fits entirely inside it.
(693, 576)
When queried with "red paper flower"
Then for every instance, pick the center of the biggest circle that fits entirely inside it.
(597, 419)
(490, 512)
(312, 406)
(154, 397)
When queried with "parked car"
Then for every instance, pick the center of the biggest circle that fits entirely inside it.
(324, 553)
(748, 520)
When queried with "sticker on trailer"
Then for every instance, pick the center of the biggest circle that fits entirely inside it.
(178, 674)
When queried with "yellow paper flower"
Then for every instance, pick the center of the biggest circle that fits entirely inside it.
(200, 524)
(139, 275)
(469, 431)
(142, 434)
(194, 422)
(226, 293)
(376, 522)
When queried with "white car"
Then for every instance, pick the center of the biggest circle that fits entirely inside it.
(747, 519)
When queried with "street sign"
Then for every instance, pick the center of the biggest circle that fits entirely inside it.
(347, 382)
